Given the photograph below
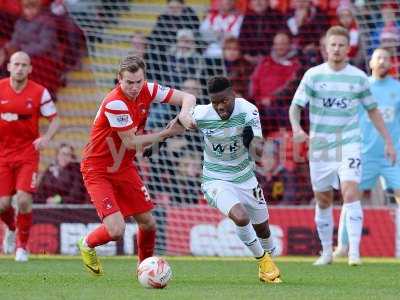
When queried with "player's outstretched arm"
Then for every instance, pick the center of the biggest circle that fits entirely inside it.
(133, 141)
(295, 116)
(43, 141)
(376, 118)
(187, 102)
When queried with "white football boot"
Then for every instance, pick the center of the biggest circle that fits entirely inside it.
(323, 260)
(21, 255)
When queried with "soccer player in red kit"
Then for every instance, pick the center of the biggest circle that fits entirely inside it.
(109, 173)
(22, 103)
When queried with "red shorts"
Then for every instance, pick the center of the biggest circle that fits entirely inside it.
(18, 176)
(123, 191)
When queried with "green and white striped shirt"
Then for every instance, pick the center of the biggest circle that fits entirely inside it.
(334, 99)
(225, 157)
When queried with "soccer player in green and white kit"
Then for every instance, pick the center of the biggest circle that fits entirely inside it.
(231, 126)
(334, 91)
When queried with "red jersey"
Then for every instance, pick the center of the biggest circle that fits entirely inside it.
(105, 151)
(19, 118)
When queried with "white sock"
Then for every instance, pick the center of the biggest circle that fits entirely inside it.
(354, 222)
(268, 244)
(324, 222)
(249, 238)
(343, 238)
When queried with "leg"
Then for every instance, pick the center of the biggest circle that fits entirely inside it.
(268, 272)
(224, 196)
(397, 196)
(7, 215)
(354, 219)
(343, 240)
(146, 237)
(7, 212)
(102, 195)
(264, 235)
(112, 229)
(324, 223)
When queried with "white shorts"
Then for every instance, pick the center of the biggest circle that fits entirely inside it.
(326, 175)
(224, 195)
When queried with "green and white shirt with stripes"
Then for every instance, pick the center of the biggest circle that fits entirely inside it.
(334, 99)
(225, 157)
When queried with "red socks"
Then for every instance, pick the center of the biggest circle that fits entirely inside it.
(8, 217)
(97, 237)
(24, 223)
(146, 240)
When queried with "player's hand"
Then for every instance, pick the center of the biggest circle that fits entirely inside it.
(174, 128)
(186, 121)
(299, 136)
(41, 143)
(390, 153)
(153, 148)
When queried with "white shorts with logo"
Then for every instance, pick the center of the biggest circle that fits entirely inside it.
(327, 174)
(224, 195)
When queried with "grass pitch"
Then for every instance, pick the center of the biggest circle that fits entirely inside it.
(45, 278)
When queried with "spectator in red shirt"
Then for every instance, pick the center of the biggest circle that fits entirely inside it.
(219, 25)
(274, 71)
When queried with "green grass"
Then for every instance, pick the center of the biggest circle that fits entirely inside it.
(198, 278)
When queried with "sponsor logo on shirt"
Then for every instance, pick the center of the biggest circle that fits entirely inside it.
(123, 119)
(107, 204)
(29, 103)
(9, 117)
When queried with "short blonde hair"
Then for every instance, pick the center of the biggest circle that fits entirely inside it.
(338, 30)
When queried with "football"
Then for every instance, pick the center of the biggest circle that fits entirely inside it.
(154, 272)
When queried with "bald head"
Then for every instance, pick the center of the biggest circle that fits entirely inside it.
(20, 56)
(380, 63)
(19, 66)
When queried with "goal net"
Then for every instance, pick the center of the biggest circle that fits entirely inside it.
(186, 225)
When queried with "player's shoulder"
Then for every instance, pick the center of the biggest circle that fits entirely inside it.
(115, 100)
(203, 111)
(353, 70)
(245, 105)
(4, 81)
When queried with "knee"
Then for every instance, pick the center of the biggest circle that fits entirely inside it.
(116, 231)
(149, 224)
(239, 216)
(5, 203)
(350, 195)
(24, 202)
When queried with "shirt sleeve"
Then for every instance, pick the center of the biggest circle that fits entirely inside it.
(253, 120)
(194, 113)
(304, 91)
(117, 114)
(365, 95)
(47, 107)
(159, 93)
